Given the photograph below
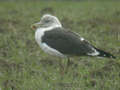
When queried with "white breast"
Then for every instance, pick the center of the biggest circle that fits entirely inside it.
(46, 48)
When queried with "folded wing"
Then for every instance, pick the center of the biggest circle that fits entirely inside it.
(68, 42)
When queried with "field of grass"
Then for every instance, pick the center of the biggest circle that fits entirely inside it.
(24, 66)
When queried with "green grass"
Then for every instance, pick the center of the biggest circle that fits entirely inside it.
(24, 66)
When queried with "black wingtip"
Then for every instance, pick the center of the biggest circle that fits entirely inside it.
(105, 54)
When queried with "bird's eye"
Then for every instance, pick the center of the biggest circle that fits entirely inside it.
(47, 21)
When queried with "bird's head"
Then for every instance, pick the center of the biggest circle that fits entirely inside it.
(47, 20)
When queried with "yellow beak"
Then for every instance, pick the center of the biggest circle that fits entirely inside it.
(35, 26)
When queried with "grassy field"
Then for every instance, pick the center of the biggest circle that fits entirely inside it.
(24, 66)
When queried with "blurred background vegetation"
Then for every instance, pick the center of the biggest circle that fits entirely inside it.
(24, 66)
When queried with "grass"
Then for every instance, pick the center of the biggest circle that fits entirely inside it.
(24, 66)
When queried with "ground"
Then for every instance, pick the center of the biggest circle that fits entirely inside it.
(24, 66)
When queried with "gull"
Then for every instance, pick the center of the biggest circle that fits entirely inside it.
(58, 41)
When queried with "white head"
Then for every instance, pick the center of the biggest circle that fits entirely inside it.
(46, 21)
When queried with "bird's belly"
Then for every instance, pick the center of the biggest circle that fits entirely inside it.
(51, 51)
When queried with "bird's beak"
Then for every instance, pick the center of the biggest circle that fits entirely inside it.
(36, 25)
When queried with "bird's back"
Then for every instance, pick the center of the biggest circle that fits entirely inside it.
(67, 42)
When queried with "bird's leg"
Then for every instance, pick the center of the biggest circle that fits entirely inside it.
(68, 64)
(64, 67)
(61, 69)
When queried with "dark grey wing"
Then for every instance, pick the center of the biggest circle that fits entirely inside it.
(66, 42)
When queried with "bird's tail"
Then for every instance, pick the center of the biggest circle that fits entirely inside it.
(105, 54)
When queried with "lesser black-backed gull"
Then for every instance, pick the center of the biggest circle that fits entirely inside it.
(56, 40)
